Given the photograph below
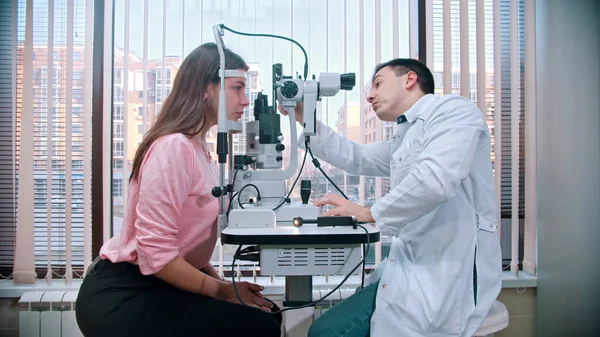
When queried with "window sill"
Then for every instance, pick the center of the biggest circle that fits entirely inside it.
(273, 287)
(523, 280)
(8, 289)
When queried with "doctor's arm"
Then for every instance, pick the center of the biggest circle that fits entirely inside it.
(450, 143)
(341, 152)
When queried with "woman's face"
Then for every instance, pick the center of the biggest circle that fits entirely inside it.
(235, 98)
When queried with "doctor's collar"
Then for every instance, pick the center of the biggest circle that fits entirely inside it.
(412, 114)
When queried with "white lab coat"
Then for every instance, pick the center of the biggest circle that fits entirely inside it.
(441, 213)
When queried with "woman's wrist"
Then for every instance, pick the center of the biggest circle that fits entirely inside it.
(222, 291)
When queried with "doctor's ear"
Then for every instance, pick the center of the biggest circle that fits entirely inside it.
(411, 79)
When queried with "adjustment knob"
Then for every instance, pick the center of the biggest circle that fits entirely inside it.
(279, 147)
(218, 191)
(279, 158)
(289, 89)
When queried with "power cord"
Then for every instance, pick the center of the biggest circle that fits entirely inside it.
(230, 189)
(255, 249)
(287, 197)
(258, 198)
(277, 37)
(318, 166)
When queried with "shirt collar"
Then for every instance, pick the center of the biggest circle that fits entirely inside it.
(417, 109)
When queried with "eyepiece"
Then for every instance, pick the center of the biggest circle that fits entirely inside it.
(347, 81)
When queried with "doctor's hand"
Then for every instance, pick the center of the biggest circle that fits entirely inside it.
(345, 208)
(298, 110)
(249, 293)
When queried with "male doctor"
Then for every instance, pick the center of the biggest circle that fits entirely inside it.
(443, 270)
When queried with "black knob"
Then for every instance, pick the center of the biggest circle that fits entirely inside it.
(279, 147)
(218, 191)
(305, 191)
(289, 89)
(279, 158)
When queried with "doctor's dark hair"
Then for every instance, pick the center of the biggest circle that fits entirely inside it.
(403, 66)
(184, 110)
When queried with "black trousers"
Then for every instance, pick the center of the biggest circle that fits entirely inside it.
(116, 299)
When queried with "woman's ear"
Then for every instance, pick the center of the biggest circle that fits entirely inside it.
(210, 90)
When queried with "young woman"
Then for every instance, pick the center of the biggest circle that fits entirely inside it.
(155, 278)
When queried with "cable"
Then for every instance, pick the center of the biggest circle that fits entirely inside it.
(318, 165)
(231, 202)
(230, 190)
(297, 177)
(258, 198)
(362, 280)
(310, 304)
(277, 37)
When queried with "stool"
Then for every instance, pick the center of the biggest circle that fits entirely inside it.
(496, 320)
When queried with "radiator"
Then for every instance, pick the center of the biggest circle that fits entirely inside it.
(52, 313)
(48, 314)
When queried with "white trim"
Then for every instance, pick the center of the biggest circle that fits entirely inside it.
(273, 286)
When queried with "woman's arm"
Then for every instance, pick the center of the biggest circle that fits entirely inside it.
(184, 276)
(211, 271)
(180, 274)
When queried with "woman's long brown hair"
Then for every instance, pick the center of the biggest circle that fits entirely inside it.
(184, 110)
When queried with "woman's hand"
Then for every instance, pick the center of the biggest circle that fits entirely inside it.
(249, 293)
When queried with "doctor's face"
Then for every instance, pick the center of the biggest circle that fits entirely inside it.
(387, 94)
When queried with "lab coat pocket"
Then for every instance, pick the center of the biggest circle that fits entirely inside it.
(402, 164)
(434, 298)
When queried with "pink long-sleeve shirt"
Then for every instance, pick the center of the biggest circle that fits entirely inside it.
(170, 210)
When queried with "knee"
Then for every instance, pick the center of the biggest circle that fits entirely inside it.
(273, 329)
(267, 326)
(317, 329)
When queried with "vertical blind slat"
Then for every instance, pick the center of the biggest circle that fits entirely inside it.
(530, 238)
(514, 129)
(24, 266)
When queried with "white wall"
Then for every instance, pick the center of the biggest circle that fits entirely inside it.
(568, 58)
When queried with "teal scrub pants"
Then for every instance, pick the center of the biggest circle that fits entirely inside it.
(349, 318)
